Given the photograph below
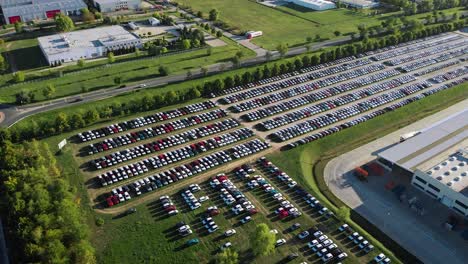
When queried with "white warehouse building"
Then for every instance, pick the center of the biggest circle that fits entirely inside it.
(437, 159)
(28, 10)
(314, 4)
(86, 44)
(360, 3)
(106, 6)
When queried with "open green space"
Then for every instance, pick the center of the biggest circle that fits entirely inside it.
(22, 54)
(307, 162)
(288, 24)
(102, 76)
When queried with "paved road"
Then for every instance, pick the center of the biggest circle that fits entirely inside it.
(405, 228)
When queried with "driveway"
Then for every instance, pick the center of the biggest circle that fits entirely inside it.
(419, 235)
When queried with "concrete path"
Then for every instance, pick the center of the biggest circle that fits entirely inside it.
(427, 243)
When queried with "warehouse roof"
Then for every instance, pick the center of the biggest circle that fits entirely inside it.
(88, 38)
(27, 6)
(421, 150)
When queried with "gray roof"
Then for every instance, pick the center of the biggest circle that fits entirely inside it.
(432, 141)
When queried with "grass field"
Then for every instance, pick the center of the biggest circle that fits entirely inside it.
(306, 163)
(286, 24)
(130, 72)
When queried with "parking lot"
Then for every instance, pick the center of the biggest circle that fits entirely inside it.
(132, 158)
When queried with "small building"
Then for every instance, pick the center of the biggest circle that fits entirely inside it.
(26, 10)
(154, 21)
(87, 44)
(106, 6)
(314, 4)
(133, 26)
(253, 34)
(360, 3)
(437, 161)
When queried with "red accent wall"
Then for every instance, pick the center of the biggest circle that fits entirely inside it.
(52, 13)
(14, 19)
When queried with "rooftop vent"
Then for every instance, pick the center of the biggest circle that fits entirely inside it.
(452, 159)
(449, 183)
(430, 172)
(437, 167)
(444, 163)
(456, 178)
(464, 173)
(455, 168)
(439, 178)
(447, 173)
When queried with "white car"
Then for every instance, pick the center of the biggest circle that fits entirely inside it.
(280, 242)
(184, 228)
(226, 245)
(274, 231)
(230, 232)
(203, 199)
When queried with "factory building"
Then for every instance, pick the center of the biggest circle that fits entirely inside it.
(314, 4)
(106, 6)
(28, 10)
(87, 44)
(437, 160)
(360, 3)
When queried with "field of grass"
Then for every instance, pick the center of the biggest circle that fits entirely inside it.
(24, 54)
(289, 24)
(306, 163)
(130, 71)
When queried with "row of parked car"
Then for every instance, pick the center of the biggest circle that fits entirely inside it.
(200, 165)
(176, 155)
(371, 115)
(347, 112)
(319, 95)
(312, 73)
(415, 46)
(450, 75)
(330, 104)
(436, 68)
(424, 62)
(167, 142)
(171, 209)
(189, 197)
(144, 121)
(133, 137)
(426, 53)
(273, 79)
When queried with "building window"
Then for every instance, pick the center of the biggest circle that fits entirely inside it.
(462, 205)
(431, 194)
(420, 179)
(419, 186)
(434, 188)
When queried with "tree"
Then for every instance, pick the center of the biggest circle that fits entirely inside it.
(236, 61)
(219, 33)
(282, 49)
(227, 256)
(228, 82)
(18, 76)
(110, 57)
(218, 85)
(77, 121)
(61, 122)
(200, 14)
(18, 27)
(309, 39)
(213, 15)
(263, 241)
(268, 55)
(87, 16)
(209, 51)
(163, 70)
(337, 33)
(63, 23)
(306, 60)
(314, 60)
(317, 37)
(343, 213)
(204, 71)
(3, 64)
(186, 44)
(298, 64)
(80, 63)
(194, 93)
(171, 97)
(118, 80)
(91, 116)
(48, 91)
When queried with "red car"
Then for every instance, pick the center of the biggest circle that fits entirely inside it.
(109, 201)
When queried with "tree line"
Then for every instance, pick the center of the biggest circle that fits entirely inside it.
(64, 122)
(43, 219)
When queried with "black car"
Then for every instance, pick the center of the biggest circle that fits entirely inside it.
(294, 227)
(292, 256)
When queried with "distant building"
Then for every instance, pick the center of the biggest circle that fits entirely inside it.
(154, 21)
(87, 44)
(314, 4)
(106, 6)
(28, 10)
(359, 3)
(437, 160)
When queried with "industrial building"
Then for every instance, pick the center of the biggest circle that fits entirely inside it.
(314, 4)
(106, 6)
(359, 3)
(28, 10)
(87, 44)
(437, 160)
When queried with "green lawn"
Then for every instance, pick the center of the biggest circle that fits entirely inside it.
(286, 24)
(306, 163)
(130, 71)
